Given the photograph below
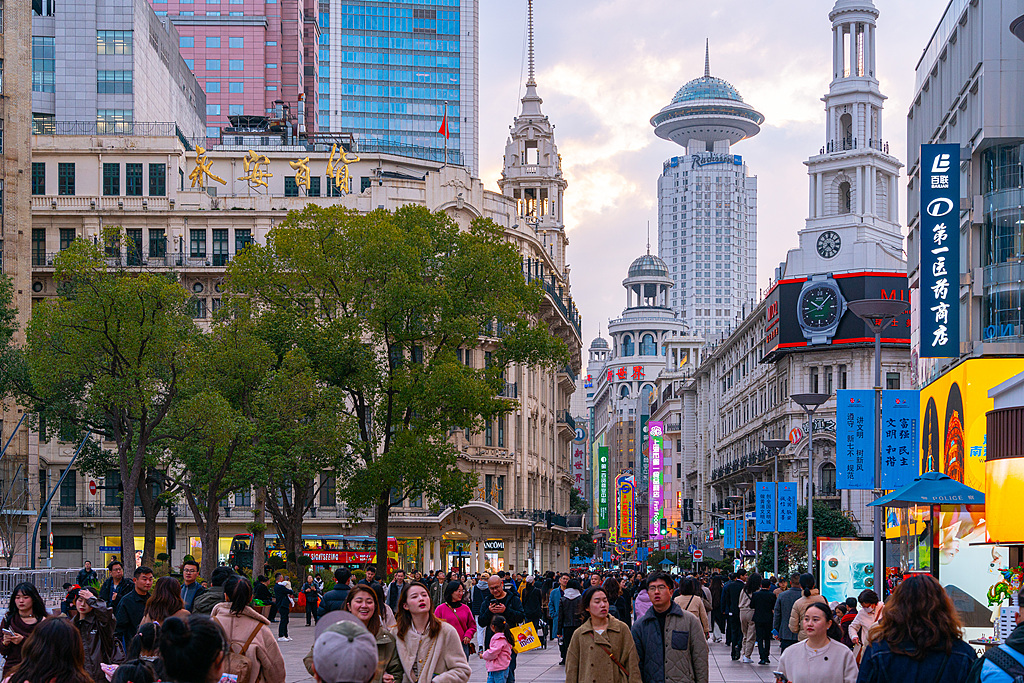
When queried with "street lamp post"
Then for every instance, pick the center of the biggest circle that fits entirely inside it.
(878, 314)
(810, 403)
(776, 446)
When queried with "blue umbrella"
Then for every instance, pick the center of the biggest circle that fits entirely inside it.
(666, 561)
(932, 488)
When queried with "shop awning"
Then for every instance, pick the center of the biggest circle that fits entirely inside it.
(932, 488)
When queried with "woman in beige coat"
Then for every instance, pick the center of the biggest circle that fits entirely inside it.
(602, 649)
(796, 616)
(430, 649)
(240, 622)
(691, 599)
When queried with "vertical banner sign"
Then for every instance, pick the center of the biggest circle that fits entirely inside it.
(624, 490)
(765, 506)
(900, 414)
(787, 506)
(940, 251)
(741, 532)
(654, 491)
(855, 439)
(578, 453)
(730, 534)
(643, 478)
(602, 487)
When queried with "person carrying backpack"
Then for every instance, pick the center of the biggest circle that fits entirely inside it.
(570, 617)
(1005, 663)
(254, 656)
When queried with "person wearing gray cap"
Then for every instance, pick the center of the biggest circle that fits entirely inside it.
(345, 652)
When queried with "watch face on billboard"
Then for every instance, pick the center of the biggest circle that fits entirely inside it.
(808, 312)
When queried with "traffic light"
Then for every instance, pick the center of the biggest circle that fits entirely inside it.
(721, 528)
(688, 509)
(664, 526)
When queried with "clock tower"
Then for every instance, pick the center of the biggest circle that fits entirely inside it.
(852, 222)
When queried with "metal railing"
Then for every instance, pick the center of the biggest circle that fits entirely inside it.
(49, 583)
(564, 417)
(568, 371)
(118, 128)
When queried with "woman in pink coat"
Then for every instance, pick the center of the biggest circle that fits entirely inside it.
(458, 614)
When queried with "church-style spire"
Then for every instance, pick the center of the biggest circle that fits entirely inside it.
(707, 57)
(529, 34)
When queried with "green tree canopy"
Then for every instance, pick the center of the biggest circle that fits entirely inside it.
(828, 523)
(382, 305)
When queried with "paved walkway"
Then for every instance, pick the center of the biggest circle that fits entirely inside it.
(537, 666)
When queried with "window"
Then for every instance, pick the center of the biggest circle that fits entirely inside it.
(67, 236)
(501, 431)
(114, 42)
(291, 189)
(235, 109)
(220, 247)
(186, 41)
(271, 65)
(133, 180)
(68, 491)
(828, 380)
(328, 489)
(489, 434)
(271, 43)
(243, 499)
(842, 377)
(38, 177)
(827, 485)
(213, 65)
(236, 42)
(213, 131)
(133, 237)
(813, 386)
(44, 61)
(199, 309)
(213, 110)
(38, 246)
(212, 41)
(647, 346)
(66, 178)
(158, 180)
(236, 65)
(111, 484)
(212, 86)
(236, 87)
(243, 238)
(66, 542)
(111, 179)
(197, 243)
(115, 121)
(627, 345)
(113, 82)
(191, 64)
(892, 380)
(314, 186)
(157, 243)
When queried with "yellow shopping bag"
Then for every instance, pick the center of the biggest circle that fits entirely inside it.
(525, 637)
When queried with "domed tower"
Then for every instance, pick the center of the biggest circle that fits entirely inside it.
(707, 202)
(532, 173)
(647, 283)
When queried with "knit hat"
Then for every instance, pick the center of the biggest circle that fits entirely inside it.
(345, 652)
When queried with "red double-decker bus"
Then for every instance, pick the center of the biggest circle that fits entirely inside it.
(331, 552)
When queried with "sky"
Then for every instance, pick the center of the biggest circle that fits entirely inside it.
(604, 67)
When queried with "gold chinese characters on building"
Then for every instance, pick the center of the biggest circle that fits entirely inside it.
(257, 170)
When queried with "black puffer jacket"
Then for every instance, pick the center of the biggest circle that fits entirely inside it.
(333, 599)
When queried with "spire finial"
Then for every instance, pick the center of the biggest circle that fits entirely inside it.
(529, 29)
(648, 238)
(707, 57)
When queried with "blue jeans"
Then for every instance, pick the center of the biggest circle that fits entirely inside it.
(497, 676)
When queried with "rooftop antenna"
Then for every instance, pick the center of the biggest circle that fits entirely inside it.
(648, 238)
(707, 57)
(529, 32)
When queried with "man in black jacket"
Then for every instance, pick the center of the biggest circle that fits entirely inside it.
(731, 608)
(132, 607)
(335, 598)
(507, 604)
(115, 586)
(395, 589)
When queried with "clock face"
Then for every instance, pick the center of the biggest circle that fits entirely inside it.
(829, 244)
(819, 307)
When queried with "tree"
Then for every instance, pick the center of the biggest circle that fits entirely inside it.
(384, 306)
(9, 356)
(108, 354)
(577, 503)
(584, 546)
(828, 523)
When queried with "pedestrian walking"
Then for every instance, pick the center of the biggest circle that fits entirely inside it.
(193, 649)
(115, 586)
(455, 612)
(134, 671)
(86, 575)
(95, 625)
(752, 585)
(570, 617)
(507, 604)
(430, 650)
(642, 602)
(783, 610)
(165, 602)
(810, 594)
(283, 601)
(919, 637)
(248, 632)
(554, 601)
(52, 653)
(817, 658)
(214, 595)
(690, 601)
(190, 586)
(763, 603)
(618, 604)
(145, 646)
(532, 609)
(312, 598)
(261, 591)
(25, 612)
(499, 654)
(602, 649)
(132, 607)
(670, 643)
(717, 615)
(479, 593)
(731, 606)
(859, 630)
(336, 598)
(395, 589)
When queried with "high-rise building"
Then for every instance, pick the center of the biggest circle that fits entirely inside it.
(397, 67)
(250, 55)
(104, 65)
(707, 202)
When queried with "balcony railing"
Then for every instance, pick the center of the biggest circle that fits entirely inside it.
(565, 418)
(534, 270)
(845, 144)
(568, 371)
(118, 128)
(826, 492)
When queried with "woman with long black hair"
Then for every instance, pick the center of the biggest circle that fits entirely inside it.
(25, 612)
(53, 653)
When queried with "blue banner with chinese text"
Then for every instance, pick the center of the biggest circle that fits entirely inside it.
(765, 506)
(855, 439)
(940, 251)
(900, 414)
(787, 506)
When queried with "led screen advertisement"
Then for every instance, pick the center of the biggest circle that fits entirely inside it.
(812, 311)
(846, 567)
(655, 490)
(624, 493)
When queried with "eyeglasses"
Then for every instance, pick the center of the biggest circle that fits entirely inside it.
(658, 589)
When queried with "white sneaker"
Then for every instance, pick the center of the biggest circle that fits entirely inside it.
(747, 660)
(282, 639)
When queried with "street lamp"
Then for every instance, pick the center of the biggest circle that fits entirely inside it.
(734, 506)
(878, 314)
(776, 446)
(810, 403)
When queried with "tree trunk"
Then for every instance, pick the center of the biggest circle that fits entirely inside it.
(259, 536)
(150, 508)
(128, 489)
(209, 532)
(382, 514)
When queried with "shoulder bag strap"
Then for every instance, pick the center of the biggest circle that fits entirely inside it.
(1006, 662)
(608, 651)
(252, 636)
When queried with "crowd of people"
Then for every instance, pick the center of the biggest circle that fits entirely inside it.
(612, 627)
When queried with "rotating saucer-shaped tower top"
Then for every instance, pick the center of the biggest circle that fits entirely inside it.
(708, 109)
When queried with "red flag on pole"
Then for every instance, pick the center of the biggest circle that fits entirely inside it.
(443, 130)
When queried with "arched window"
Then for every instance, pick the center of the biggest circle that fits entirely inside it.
(827, 487)
(627, 345)
(846, 131)
(624, 391)
(845, 199)
(647, 346)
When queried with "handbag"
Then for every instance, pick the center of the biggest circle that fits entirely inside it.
(525, 638)
(611, 655)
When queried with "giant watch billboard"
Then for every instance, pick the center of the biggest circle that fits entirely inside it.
(812, 311)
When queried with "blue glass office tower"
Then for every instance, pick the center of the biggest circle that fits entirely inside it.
(394, 64)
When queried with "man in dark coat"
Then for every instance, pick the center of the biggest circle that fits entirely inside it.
(731, 609)
(132, 607)
(783, 607)
(507, 604)
(335, 598)
(115, 586)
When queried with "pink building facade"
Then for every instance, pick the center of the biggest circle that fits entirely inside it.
(249, 54)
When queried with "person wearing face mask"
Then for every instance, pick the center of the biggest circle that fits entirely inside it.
(867, 616)
(818, 658)
(429, 648)
(478, 594)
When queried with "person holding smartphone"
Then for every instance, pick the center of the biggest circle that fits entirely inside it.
(24, 613)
